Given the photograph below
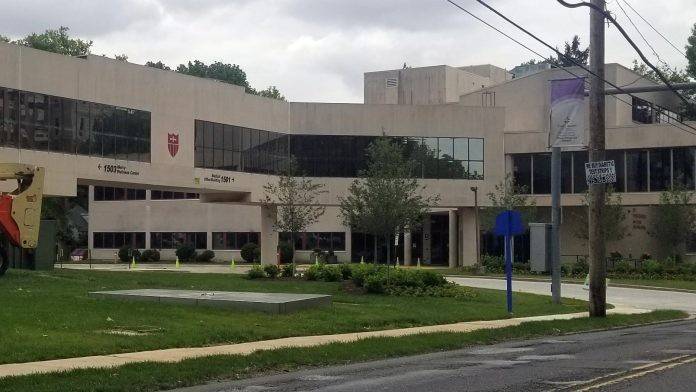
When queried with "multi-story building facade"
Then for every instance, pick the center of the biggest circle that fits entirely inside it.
(170, 158)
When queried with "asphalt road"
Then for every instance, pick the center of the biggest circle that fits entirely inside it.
(650, 358)
(624, 296)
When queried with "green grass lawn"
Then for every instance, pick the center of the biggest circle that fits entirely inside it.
(48, 315)
(143, 377)
(666, 283)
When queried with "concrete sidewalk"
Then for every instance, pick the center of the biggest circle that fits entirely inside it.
(180, 354)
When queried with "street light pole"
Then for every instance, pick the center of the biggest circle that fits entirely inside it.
(478, 229)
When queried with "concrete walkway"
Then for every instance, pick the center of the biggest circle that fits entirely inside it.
(618, 296)
(180, 354)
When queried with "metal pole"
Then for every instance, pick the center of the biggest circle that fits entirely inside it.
(555, 224)
(508, 271)
(478, 229)
(597, 246)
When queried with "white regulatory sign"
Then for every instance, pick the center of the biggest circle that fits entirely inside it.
(601, 172)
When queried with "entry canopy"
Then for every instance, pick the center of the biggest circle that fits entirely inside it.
(508, 223)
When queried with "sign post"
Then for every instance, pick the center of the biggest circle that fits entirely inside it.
(508, 224)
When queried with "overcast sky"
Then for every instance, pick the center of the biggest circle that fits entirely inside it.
(317, 50)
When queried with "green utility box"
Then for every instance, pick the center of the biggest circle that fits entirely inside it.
(41, 258)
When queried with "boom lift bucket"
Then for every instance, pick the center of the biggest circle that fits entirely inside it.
(20, 210)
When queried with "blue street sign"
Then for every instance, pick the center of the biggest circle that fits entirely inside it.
(508, 223)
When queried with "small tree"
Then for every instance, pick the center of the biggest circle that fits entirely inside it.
(297, 200)
(507, 195)
(674, 221)
(387, 198)
(57, 41)
(613, 220)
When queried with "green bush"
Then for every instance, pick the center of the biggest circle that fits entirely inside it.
(185, 252)
(205, 257)
(286, 253)
(493, 264)
(126, 254)
(346, 271)
(256, 272)
(271, 270)
(312, 273)
(580, 267)
(250, 252)
(150, 256)
(288, 271)
(329, 273)
(652, 267)
(450, 290)
(521, 267)
(622, 267)
(374, 283)
(360, 272)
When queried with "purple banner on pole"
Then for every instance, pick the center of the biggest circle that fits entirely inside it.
(567, 113)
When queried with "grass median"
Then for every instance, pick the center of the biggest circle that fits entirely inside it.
(48, 315)
(158, 376)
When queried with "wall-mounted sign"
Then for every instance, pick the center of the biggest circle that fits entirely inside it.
(108, 168)
(600, 172)
(218, 178)
(173, 143)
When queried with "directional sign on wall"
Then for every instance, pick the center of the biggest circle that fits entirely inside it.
(600, 172)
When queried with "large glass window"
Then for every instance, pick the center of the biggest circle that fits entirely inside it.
(618, 157)
(683, 160)
(234, 240)
(660, 169)
(334, 241)
(173, 240)
(229, 147)
(116, 240)
(579, 181)
(542, 174)
(107, 193)
(522, 171)
(49, 123)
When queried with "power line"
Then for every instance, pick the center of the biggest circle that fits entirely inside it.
(625, 35)
(570, 59)
(654, 29)
(618, 3)
(573, 61)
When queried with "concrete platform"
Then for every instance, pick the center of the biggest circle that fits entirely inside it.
(273, 303)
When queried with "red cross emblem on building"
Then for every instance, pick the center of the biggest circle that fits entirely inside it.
(173, 143)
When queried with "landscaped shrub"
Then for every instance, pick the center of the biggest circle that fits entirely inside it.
(185, 252)
(329, 273)
(256, 272)
(205, 257)
(150, 256)
(126, 254)
(288, 271)
(652, 267)
(622, 267)
(346, 271)
(250, 252)
(580, 267)
(286, 253)
(450, 290)
(493, 264)
(271, 270)
(374, 283)
(521, 268)
(360, 272)
(312, 273)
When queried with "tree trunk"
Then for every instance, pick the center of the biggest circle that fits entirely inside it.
(374, 254)
(292, 245)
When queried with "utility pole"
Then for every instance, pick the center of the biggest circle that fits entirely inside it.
(555, 224)
(597, 246)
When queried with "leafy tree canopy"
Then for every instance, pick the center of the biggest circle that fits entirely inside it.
(674, 75)
(387, 198)
(159, 64)
(4, 39)
(57, 41)
(613, 219)
(507, 195)
(691, 53)
(674, 221)
(572, 50)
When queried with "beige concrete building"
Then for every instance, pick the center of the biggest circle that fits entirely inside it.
(170, 158)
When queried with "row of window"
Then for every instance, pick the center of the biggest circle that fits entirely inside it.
(109, 193)
(230, 147)
(43, 122)
(645, 170)
(116, 240)
(326, 241)
(234, 240)
(648, 113)
(169, 240)
(167, 195)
